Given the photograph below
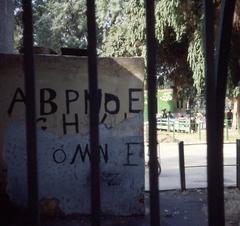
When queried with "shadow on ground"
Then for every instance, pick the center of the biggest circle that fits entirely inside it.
(177, 209)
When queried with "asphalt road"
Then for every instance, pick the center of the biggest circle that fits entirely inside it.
(195, 155)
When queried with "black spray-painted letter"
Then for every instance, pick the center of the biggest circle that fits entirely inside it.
(47, 101)
(18, 97)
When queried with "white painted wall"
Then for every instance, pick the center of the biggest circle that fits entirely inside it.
(64, 168)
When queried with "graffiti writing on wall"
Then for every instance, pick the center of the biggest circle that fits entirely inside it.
(81, 153)
(109, 104)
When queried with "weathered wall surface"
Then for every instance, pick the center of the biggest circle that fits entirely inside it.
(62, 120)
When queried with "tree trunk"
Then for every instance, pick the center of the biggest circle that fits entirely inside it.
(236, 112)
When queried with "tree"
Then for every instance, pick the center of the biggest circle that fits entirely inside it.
(125, 36)
(233, 89)
(18, 33)
(63, 23)
(178, 41)
(121, 32)
(57, 23)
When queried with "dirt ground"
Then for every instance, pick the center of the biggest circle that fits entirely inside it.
(177, 208)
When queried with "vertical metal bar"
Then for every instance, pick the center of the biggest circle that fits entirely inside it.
(174, 129)
(223, 45)
(94, 114)
(182, 165)
(227, 134)
(152, 110)
(199, 131)
(238, 163)
(215, 96)
(32, 168)
(238, 125)
(168, 125)
(213, 209)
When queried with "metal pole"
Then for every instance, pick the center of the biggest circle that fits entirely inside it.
(213, 209)
(168, 125)
(238, 126)
(199, 131)
(32, 167)
(174, 129)
(215, 96)
(227, 135)
(152, 110)
(182, 165)
(223, 46)
(94, 115)
(238, 163)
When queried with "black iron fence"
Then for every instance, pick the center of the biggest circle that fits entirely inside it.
(29, 72)
(216, 62)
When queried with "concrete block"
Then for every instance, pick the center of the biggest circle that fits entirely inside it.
(63, 133)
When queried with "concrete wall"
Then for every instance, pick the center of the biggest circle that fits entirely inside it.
(63, 133)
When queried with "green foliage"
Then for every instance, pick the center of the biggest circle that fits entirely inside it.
(196, 60)
(121, 32)
(61, 24)
(18, 34)
(126, 36)
(57, 23)
(178, 36)
(236, 91)
(168, 15)
(233, 90)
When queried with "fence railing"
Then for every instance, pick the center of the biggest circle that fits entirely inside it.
(176, 125)
(183, 125)
(183, 166)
